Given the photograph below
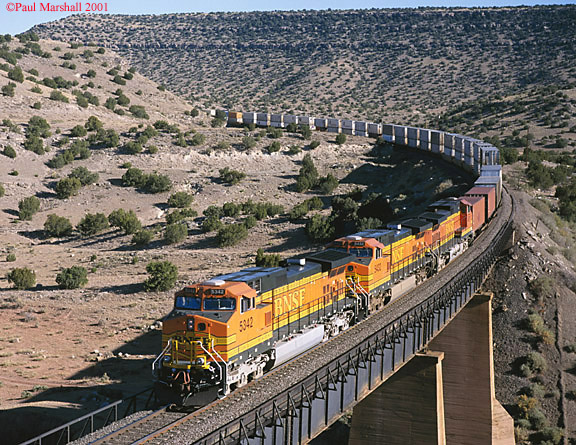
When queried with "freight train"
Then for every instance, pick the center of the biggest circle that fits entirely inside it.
(224, 332)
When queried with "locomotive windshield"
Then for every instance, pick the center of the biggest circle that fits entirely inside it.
(219, 304)
(192, 303)
(362, 253)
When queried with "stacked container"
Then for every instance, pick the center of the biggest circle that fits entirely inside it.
(436, 141)
(276, 121)
(290, 119)
(489, 195)
(334, 125)
(459, 148)
(360, 128)
(412, 134)
(249, 118)
(263, 119)
(234, 118)
(321, 123)
(307, 120)
(387, 131)
(424, 135)
(348, 126)
(491, 181)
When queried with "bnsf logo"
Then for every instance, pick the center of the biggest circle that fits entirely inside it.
(398, 254)
(287, 302)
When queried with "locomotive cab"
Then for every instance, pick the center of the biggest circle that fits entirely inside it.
(369, 272)
(198, 336)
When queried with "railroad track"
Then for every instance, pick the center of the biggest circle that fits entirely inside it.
(193, 427)
(147, 425)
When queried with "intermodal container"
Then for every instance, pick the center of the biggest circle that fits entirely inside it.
(387, 132)
(321, 123)
(478, 205)
(399, 134)
(489, 195)
(249, 118)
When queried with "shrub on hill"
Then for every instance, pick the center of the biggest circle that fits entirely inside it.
(9, 152)
(22, 278)
(231, 234)
(128, 222)
(57, 226)
(73, 277)
(67, 187)
(85, 176)
(163, 276)
(231, 177)
(142, 237)
(264, 260)
(28, 207)
(175, 233)
(16, 74)
(180, 199)
(92, 224)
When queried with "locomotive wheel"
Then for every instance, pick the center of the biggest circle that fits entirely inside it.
(242, 381)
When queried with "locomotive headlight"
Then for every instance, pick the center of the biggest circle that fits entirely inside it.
(200, 361)
(166, 359)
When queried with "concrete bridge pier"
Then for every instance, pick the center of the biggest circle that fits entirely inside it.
(444, 397)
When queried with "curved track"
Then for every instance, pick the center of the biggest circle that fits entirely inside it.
(193, 427)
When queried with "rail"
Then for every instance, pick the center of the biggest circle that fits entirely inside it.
(95, 420)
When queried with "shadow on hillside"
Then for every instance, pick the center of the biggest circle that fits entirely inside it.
(124, 289)
(36, 235)
(46, 195)
(156, 244)
(11, 212)
(110, 377)
(101, 238)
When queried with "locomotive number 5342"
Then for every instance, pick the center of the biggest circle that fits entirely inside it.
(245, 324)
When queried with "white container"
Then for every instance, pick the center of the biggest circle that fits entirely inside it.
(334, 123)
(437, 137)
(399, 134)
(249, 118)
(412, 133)
(375, 129)
(347, 123)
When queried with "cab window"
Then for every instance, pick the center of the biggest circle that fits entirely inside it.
(246, 304)
(362, 253)
(219, 304)
(192, 303)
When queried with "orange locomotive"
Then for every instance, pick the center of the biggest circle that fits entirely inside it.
(231, 329)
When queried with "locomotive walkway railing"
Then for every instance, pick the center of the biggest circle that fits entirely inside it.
(298, 414)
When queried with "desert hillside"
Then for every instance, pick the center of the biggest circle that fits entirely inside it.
(407, 65)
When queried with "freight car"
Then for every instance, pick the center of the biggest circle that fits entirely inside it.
(233, 328)
(466, 152)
